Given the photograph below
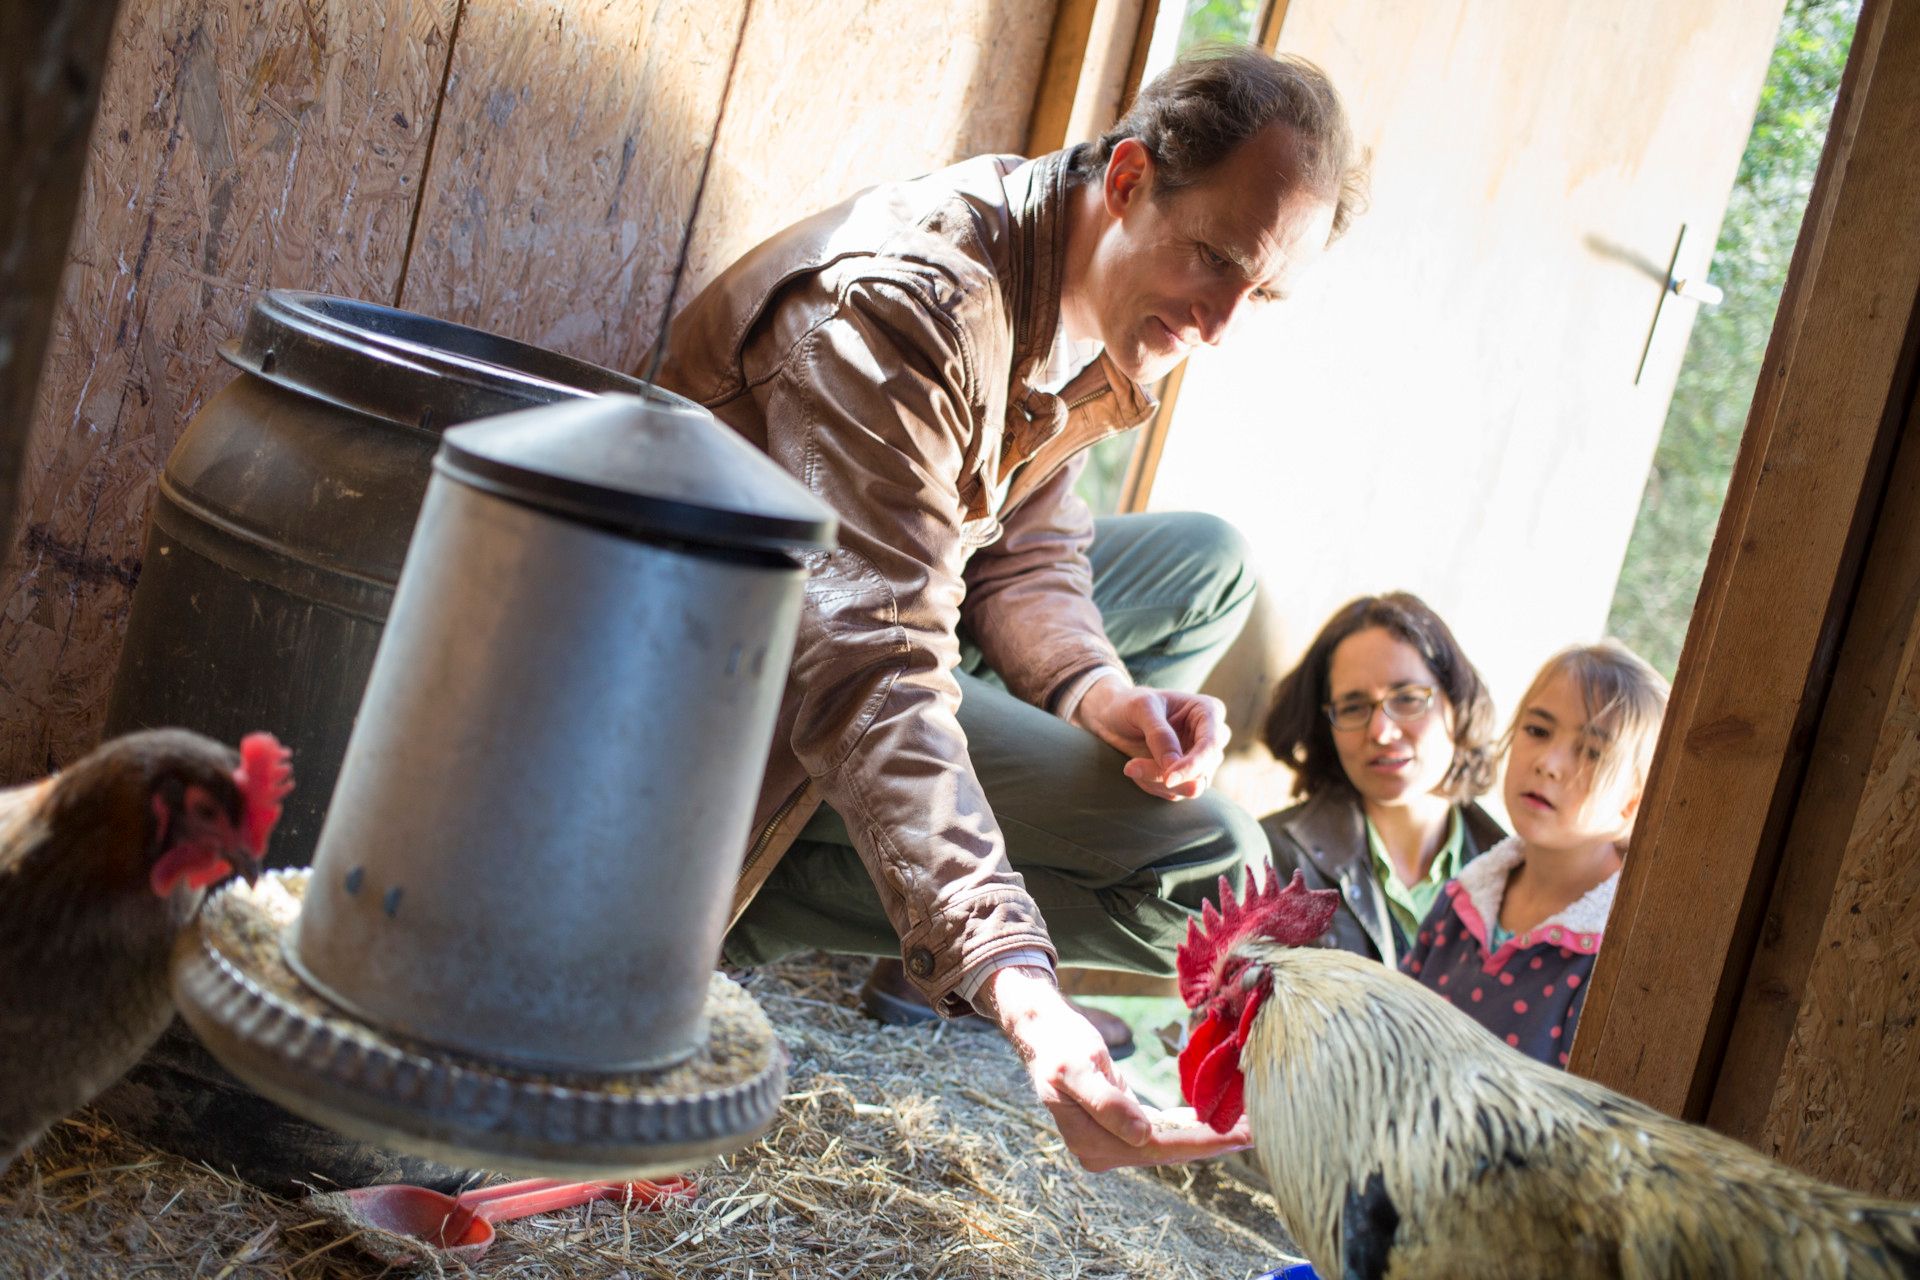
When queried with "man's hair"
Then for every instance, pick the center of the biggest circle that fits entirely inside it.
(1301, 737)
(1217, 96)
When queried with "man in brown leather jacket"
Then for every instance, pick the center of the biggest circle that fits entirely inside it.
(932, 358)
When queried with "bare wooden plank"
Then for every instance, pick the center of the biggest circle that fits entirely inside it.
(1761, 648)
(1109, 74)
(1060, 76)
(1824, 1044)
(835, 95)
(49, 90)
(241, 144)
(569, 145)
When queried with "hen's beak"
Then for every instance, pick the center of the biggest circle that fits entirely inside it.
(244, 862)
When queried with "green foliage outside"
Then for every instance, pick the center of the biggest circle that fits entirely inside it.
(1694, 461)
(1217, 20)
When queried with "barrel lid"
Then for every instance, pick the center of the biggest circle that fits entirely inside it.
(656, 465)
(403, 366)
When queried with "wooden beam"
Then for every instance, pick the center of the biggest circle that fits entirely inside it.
(1779, 588)
(1060, 75)
(49, 88)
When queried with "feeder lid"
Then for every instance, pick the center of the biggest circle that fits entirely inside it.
(404, 367)
(659, 466)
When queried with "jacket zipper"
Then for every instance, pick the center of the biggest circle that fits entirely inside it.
(765, 837)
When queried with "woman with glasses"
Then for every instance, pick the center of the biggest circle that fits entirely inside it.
(1388, 730)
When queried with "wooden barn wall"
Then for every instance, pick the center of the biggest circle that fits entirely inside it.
(527, 168)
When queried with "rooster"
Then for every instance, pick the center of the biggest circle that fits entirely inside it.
(1403, 1139)
(100, 865)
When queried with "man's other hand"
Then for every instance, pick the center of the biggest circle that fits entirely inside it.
(1176, 740)
(1102, 1123)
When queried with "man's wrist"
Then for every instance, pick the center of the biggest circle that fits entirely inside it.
(1101, 683)
(1017, 992)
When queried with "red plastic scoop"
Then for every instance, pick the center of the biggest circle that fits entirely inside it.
(462, 1225)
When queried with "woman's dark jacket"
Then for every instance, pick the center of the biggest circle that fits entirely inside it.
(1325, 838)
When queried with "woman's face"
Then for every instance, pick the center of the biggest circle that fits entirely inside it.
(1388, 761)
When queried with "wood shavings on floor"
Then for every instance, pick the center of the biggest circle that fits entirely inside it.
(899, 1152)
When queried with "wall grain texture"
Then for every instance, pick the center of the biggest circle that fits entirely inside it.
(564, 169)
(836, 95)
(254, 144)
(241, 144)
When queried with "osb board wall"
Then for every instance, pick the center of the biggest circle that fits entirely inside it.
(564, 168)
(239, 144)
(835, 95)
(252, 144)
(1846, 1102)
(1847, 1107)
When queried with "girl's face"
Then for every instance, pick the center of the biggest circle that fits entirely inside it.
(1550, 774)
(1389, 761)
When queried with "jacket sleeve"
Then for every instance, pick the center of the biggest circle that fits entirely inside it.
(1029, 602)
(873, 411)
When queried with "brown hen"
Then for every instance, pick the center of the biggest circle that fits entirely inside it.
(100, 865)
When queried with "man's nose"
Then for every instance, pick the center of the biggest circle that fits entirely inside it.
(1217, 314)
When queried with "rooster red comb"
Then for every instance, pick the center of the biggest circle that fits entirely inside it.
(264, 778)
(1293, 917)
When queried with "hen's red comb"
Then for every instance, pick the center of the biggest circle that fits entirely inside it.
(1292, 917)
(264, 778)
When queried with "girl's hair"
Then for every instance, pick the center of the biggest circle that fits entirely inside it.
(1624, 698)
(1297, 730)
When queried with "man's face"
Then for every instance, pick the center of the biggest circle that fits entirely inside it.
(1178, 270)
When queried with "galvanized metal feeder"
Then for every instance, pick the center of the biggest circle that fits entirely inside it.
(506, 949)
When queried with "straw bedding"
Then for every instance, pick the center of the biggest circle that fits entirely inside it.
(898, 1152)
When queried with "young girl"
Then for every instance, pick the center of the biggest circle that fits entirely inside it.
(1512, 939)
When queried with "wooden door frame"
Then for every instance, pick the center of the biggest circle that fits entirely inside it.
(48, 98)
(1780, 592)
(1151, 443)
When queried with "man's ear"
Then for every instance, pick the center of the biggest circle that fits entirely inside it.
(1129, 176)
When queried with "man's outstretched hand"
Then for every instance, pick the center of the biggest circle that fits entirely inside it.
(1102, 1123)
(1176, 740)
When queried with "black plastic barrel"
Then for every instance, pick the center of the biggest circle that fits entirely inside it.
(277, 537)
(283, 517)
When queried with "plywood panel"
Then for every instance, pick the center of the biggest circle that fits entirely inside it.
(49, 89)
(1448, 405)
(1780, 586)
(242, 144)
(835, 95)
(564, 169)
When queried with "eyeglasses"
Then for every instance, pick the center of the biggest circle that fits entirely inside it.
(1403, 706)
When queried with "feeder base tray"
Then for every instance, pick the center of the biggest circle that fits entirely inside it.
(236, 990)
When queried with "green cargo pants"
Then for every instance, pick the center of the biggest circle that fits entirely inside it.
(1116, 872)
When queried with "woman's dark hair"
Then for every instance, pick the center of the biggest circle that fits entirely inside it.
(1297, 730)
(1191, 116)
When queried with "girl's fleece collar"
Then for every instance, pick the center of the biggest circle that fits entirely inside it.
(1482, 885)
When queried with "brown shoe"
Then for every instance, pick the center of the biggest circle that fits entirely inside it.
(888, 997)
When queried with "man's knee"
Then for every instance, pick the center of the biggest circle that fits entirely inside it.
(1220, 558)
(1220, 835)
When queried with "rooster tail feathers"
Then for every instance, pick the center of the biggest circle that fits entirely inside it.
(264, 777)
(1292, 916)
